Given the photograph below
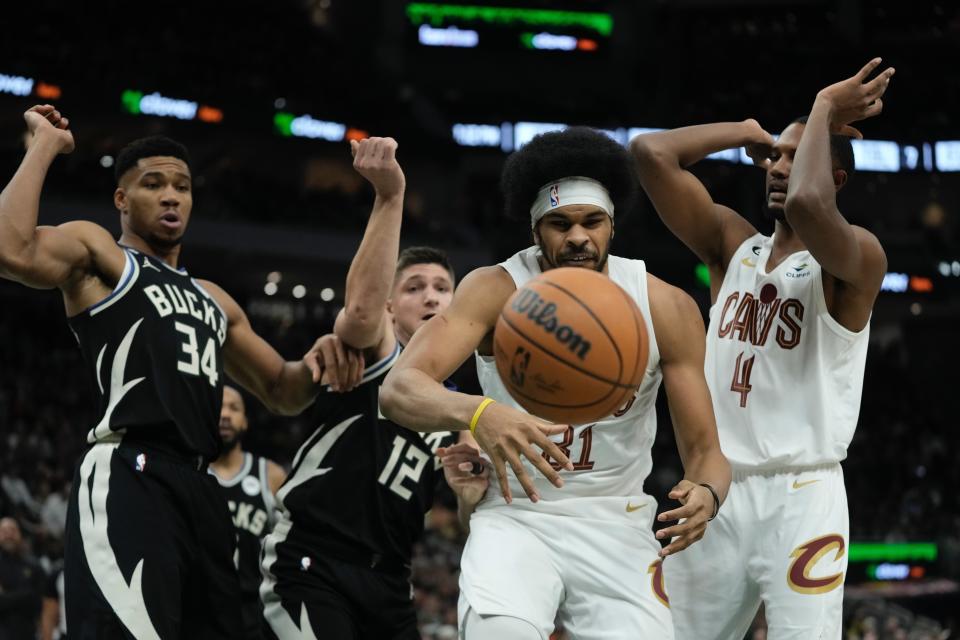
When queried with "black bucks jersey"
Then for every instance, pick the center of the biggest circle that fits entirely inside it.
(153, 349)
(360, 484)
(253, 509)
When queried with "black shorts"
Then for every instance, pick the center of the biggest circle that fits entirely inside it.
(149, 549)
(308, 596)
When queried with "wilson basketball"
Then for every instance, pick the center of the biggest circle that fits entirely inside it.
(571, 346)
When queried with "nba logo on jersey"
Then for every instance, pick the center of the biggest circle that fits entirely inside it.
(141, 462)
(555, 195)
(305, 563)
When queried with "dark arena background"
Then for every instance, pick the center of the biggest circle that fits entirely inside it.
(266, 96)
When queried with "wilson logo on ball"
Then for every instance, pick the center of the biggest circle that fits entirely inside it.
(543, 314)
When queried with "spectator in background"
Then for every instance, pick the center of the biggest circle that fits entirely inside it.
(21, 585)
(53, 619)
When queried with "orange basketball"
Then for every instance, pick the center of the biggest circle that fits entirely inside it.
(571, 346)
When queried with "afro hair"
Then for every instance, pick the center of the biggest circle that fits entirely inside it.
(577, 151)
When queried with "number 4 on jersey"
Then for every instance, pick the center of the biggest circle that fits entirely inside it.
(741, 378)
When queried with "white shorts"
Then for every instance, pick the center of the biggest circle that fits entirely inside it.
(780, 538)
(597, 572)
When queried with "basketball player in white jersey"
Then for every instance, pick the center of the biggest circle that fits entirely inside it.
(579, 546)
(786, 349)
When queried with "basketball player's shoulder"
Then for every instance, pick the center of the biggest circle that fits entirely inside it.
(222, 298)
(486, 287)
(673, 310)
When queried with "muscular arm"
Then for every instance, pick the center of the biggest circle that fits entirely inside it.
(681, 339)
(283, 387)
(850, 254)
(44, 257)
(711, 231)
(363, 322)
(413, 394)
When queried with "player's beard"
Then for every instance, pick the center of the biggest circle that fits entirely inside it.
(600, 259)
(235, 437)
(773, 214)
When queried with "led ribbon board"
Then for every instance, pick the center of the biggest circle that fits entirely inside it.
(154, 104)
(22, 86)
(506, 28)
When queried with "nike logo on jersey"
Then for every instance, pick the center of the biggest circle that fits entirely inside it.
(747, 262)
(800, 485)
(633, 507)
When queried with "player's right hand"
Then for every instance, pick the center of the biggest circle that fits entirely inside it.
(45, 120)
(506, 433)
(757, 143)
(375, 159)
(342, 365)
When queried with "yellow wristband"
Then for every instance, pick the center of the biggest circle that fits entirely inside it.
(479, 412)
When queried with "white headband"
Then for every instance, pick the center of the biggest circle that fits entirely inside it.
(572, 190)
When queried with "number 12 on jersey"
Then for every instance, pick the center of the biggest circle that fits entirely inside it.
(411, 467)
(741, 377)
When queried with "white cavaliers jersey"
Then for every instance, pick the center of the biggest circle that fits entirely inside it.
(610, 457)
(785, 377)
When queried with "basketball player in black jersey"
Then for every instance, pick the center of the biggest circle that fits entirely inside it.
(249, 483)
(149, 544)
(337, 564)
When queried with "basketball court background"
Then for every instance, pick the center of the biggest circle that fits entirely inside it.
(265, 95)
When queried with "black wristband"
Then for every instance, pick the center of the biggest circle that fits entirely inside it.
(716, 500)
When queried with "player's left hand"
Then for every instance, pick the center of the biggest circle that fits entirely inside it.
(696, 508)
(343, 365)
(375, 159)
(855, 98)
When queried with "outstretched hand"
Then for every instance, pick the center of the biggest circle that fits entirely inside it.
(505, 434)
(856, 98)
(44, 119)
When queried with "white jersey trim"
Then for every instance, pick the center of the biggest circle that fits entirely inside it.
(239, 475)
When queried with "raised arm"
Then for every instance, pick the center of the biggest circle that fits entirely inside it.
(413, 394)
(681, 339)
(48, 257)
(363, 322)
(284, 387)
(711, 231)
(848, 253)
